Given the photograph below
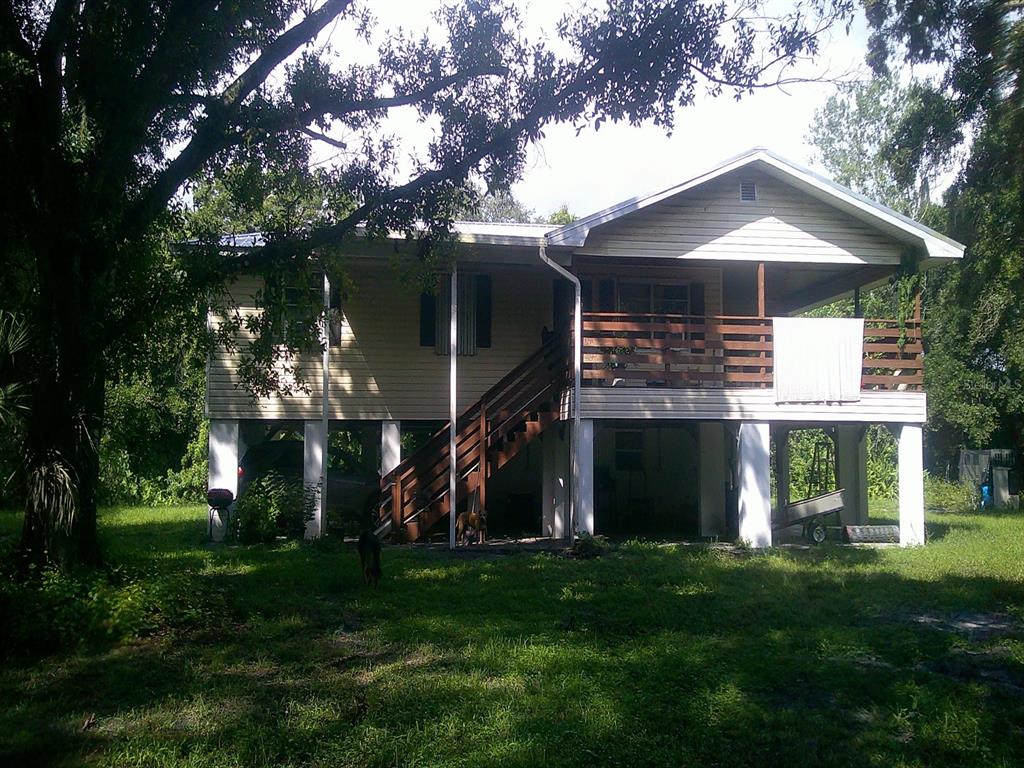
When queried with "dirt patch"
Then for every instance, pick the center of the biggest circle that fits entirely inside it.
(993, 667)
(976, 627)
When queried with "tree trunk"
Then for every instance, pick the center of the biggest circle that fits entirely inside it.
(62, 431)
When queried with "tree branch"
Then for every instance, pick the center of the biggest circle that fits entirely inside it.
(51, 51)
(10, 33)
(337, 109)
(286, 248)
(209, 138)
(317, 136)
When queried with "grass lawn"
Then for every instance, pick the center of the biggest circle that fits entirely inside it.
(650, 656)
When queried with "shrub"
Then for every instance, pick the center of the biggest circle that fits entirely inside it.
(588, 546)
(47, 611)
(946, 496)
(272, 506)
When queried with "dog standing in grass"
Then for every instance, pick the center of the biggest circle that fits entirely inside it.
(369, 557)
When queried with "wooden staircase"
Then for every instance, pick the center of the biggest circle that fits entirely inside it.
(490, 433)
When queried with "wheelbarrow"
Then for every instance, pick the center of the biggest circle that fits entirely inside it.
(811, 513)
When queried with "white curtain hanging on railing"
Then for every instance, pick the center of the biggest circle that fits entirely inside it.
(817, 360)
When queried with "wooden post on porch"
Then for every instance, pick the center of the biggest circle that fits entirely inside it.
(760, 312)
(760, 289)
(482, 476)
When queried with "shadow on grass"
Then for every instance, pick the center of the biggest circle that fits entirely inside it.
(662, 655)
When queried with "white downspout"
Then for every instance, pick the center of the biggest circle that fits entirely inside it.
(577, 366)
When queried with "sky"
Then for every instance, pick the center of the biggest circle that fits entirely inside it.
(595, 169)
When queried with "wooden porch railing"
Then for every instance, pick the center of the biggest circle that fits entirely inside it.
(623, 349)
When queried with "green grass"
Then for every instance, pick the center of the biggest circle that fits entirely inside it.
(654, 655)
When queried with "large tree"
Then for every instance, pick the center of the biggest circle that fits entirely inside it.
(972, 111)
(109, 111)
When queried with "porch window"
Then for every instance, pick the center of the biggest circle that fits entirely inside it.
(654, 298)
(629, 451)
(474, 320)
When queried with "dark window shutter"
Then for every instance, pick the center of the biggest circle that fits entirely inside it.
(587, 295)
(428, 319)
(483, 311)
(697, 306)
(606, 296)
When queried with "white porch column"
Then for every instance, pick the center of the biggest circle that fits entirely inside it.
(314, 450)
(585, 479)
(453, 409)
(782, 473)
(911, 479)
(390, 445)
(554, 484)
(755, 500)
(223, 468)
(852, 469)
(712, 479)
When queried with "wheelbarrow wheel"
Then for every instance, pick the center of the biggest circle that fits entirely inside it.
(815, 532)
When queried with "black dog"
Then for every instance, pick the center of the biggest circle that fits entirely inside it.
(369, 556)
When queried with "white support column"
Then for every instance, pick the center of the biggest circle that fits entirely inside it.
(554, 484)
(782, 464)
(712, 479)
(852, 469)
(325, 397)
(453, 408)
(390, 445)
(755, 501)
(223, 468)
(314, 443)
(585, 477)
(911, 479)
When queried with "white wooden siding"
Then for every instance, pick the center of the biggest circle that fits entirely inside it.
(711, 222)
(379, 371)
(745, 405)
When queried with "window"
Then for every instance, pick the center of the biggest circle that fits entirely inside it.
(300, 304)
(629, 451)
(654, 298)
(475, 315)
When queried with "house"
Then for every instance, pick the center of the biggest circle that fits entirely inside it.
(629, 372)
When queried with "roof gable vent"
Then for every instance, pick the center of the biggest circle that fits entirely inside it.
(748, 191)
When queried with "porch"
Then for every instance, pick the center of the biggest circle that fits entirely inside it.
(671, 351)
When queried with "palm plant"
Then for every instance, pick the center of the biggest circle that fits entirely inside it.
(13, 341)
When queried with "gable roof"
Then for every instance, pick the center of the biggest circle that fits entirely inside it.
(933, 244)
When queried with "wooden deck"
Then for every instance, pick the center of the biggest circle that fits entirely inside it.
(681, 351)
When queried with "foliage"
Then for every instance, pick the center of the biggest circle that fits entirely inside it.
(882, 465)
(48, 611)
(587, 546)
(272, 506)
(958, 498)
(503, 207)
(854, 136)
(970, 110)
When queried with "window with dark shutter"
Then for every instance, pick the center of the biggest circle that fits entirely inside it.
(606, 295)
(483, 311)
(474, 321)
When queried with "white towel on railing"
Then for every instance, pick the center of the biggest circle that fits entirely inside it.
(817, 360)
